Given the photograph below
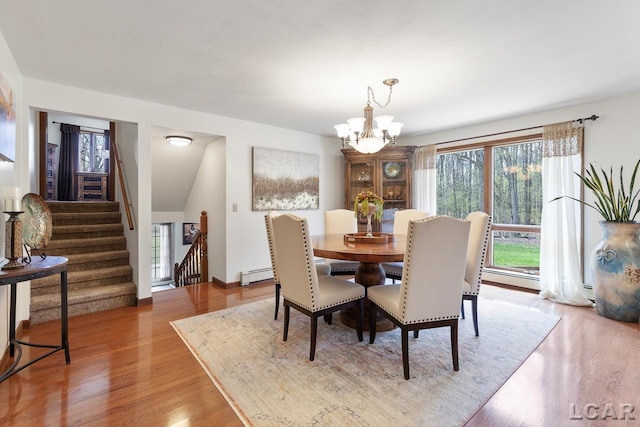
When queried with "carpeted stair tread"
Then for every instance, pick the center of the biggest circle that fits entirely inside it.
(80, 218)
(96, 256)
(75, 207)
(92, 275)
(97, 259)
(82, 301)
(91, 235)
(88, 242)
(64, 247)
(87, 231)
(83, 295)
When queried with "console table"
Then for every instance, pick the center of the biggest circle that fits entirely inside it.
(36, 269)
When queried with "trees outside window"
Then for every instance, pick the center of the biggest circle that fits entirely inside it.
(91, 152)
(504, 179)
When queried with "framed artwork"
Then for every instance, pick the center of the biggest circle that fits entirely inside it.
(7, 122)
(285, 180)
(189, 231)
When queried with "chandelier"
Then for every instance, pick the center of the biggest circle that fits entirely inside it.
(359, 131)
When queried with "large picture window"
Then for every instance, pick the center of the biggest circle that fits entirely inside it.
(504, 179)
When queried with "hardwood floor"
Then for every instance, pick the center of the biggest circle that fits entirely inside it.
(129, 367)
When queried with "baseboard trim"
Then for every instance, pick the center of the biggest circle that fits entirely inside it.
(225, 285)
(512, 287)
(5, 360)
(233, 285)
(144, 301)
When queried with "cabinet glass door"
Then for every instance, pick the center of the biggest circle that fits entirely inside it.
(394, 191)
(361, 178)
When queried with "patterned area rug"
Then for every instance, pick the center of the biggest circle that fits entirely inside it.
(269, 382)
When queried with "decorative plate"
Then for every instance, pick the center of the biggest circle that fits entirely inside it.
(36, 221)
(392, 170)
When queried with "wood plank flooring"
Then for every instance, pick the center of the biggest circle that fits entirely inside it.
(129, 367)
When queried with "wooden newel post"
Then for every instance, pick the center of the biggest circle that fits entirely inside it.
(204, 256)
(176, 274)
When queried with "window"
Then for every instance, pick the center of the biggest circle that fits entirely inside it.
(504, 179)
(160, 252)
(92, 151)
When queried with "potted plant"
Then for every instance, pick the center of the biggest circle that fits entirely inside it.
(615, 261)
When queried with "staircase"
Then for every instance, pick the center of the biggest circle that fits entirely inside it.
(90, 235)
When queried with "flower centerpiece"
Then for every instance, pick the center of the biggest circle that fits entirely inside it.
(370, 204)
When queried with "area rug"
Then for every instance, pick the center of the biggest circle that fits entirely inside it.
(269, 382)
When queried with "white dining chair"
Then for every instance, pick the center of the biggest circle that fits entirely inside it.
(341, 221)
(321, 269)
(393, 270)
(476, 252)
(431, 288)
(302, 288)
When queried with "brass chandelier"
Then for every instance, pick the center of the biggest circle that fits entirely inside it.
(361, 134)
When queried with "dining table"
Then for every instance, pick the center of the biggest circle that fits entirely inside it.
(370, 257)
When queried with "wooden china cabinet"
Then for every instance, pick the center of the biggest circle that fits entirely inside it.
(387, 173)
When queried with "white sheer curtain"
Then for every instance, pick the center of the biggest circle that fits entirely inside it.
(424, 182)
(561, 223)
(165, 251)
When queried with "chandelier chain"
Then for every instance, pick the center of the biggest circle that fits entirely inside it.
(371, 95)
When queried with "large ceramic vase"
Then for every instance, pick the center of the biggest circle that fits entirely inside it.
(615, 263)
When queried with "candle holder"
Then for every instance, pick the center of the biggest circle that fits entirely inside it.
(13, 241)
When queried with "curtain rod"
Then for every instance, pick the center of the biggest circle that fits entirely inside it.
(86, 127)
(591, 117)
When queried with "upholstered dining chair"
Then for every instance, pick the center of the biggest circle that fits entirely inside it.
(393, 270)
(341, 221)
(321, 269)
(302, 288)
(431, 288)
(476, 252)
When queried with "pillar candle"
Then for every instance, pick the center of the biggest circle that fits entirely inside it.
(11, 199)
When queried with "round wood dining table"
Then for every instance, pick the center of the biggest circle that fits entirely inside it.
(369, 271)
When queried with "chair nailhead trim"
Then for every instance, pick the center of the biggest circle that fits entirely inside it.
(484, 252)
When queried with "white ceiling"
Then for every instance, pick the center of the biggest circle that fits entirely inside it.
(306, 65)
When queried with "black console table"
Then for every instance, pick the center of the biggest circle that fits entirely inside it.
(36, 269)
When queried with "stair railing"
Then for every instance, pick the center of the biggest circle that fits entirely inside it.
(123, 187)
(194, 268)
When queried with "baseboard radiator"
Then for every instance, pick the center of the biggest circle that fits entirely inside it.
(256, 275)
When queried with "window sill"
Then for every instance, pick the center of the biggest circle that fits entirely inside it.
(522, 280)
(511, 278)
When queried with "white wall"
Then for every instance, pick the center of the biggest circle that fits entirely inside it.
(246, 235)
(134, 157)
(209, 193)
(612, 140)
(14, 174)
(245, 246)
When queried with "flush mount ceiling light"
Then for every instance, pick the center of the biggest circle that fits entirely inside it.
(359, 131)
(180, 141)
